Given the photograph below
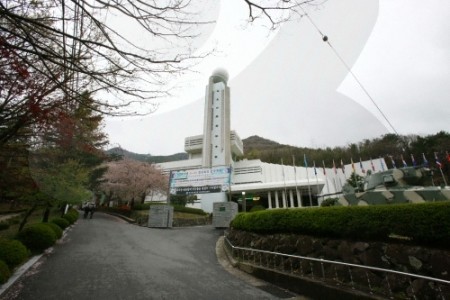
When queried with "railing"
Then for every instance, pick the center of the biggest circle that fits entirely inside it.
(373, 280)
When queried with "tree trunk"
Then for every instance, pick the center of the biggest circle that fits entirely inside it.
(25, 218)
(46, 213)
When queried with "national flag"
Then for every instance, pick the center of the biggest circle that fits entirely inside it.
(361, 165)
(393, 162)
(342, 167)
(371, 163)
(425, 161)
(324, 172)
(334, 168)
(438, 163)
(403, 162)
(353, 165)
(314, 165)
(304, 159)
(381, 164)
(413, 160)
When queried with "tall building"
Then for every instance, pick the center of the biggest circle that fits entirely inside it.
(216, 127)
(269, 185)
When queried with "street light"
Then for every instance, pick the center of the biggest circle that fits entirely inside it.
(244, 202)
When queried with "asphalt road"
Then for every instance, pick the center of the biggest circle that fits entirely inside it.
(107, 258)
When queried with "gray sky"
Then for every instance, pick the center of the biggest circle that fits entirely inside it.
(289, 86)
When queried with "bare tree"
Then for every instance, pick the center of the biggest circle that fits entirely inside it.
(67, 47)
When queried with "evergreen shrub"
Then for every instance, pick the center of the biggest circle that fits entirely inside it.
(12, 252)
(73, 211)
(424, 223)
(4, 272)
(71, 217)
(61, 222)
(58, 231)
(37, 237)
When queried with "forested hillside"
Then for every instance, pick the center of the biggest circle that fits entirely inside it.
(398, 148)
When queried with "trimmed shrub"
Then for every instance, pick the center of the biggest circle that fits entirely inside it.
(37, 237)
(58, 231)
(424, 223)
(12, 252)
(4, 272)
(75, 212)
(71, 217)
(61, 222)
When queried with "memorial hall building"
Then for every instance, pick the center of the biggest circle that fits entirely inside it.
(260, 183)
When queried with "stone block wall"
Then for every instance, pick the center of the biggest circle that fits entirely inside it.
(398, 255)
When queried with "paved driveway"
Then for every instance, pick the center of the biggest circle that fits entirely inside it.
(107, 258)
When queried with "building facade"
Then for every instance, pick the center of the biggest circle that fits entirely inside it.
(269, 185)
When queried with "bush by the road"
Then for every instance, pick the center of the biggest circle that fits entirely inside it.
(56, 229)
(425, 223)
(12, 252)
(61, 222)
(4, 272)
(71, 216)
(37, 237)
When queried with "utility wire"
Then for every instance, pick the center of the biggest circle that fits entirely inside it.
(325, 39)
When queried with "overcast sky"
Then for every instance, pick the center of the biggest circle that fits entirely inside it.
(291, 87)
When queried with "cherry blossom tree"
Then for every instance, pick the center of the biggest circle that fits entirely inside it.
(129, 181)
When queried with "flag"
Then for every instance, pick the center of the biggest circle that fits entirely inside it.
(438, 163)
(403, 161)
(304, 159)
(315, 171)
(361, 166)
(425, 161)
(393, 162)
(381, 163)
(334, 168)
(353, 165)
(324, 172)
(413, 160)
(342, 167)
(371, 163)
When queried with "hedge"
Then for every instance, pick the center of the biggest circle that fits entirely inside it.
(4, 272)
(56, 229)
(12, 252)
(37, 237)
(61, 222)
(424, 223)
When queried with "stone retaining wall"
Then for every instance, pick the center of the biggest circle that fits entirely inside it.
(396, 256)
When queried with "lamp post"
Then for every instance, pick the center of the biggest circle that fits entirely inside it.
(244, 202)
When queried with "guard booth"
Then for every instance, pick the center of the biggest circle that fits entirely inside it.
(160, 216)
(224, 213)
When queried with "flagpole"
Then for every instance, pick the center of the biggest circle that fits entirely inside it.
(326, 179)
(440, 167)
(297, 193)
(307, 178)
(285, 202)
(317, 181)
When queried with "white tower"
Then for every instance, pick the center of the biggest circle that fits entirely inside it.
(216, 131)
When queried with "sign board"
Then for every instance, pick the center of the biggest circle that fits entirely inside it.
(200, 181)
